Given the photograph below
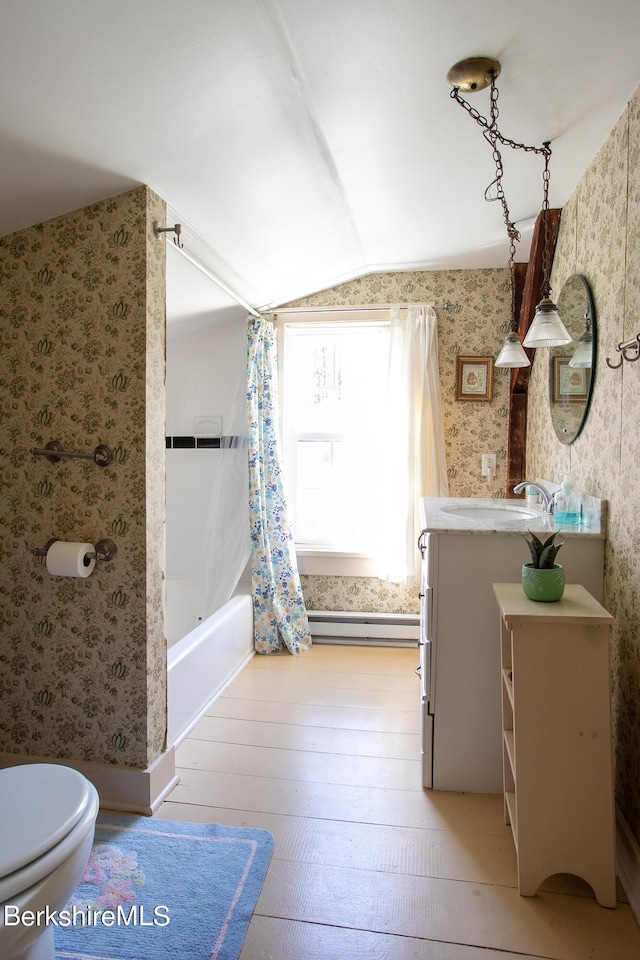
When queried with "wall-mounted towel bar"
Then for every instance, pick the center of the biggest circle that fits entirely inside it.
(105, 550)
(53, 451)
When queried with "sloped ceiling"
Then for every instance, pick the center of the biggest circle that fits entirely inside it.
(309, 141)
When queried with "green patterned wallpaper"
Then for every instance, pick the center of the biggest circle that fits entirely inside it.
(82, 328)
(600, 238)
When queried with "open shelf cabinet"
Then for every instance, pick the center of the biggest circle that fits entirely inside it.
(556, 738)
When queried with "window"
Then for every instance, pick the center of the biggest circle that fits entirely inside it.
(333, 392)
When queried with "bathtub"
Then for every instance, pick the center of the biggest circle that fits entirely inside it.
(203, 662)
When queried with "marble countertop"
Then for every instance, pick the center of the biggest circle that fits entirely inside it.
(435, 518)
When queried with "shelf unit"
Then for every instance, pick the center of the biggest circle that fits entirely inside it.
(556, 738)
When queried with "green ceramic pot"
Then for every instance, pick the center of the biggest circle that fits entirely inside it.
(544, 585)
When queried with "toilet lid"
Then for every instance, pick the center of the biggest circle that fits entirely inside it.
(40, 803)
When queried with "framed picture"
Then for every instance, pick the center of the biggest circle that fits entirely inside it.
(570, 384)
(474, 378)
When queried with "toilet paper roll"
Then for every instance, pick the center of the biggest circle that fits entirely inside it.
(70, 559)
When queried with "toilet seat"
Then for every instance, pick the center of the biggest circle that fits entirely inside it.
(45, 810)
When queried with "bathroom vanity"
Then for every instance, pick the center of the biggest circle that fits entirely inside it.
(468, 545)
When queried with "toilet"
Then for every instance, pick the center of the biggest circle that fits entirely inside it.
(47, 821)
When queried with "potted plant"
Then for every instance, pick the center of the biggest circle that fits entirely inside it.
(543, 578)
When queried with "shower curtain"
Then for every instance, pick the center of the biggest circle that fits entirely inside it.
(278, 605)
(226, 547)
(414, 463)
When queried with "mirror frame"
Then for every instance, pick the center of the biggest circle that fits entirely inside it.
(557, 352)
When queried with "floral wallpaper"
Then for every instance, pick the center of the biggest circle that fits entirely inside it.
(358, 593)
(600, 239)
(82, 326)
(475, 326)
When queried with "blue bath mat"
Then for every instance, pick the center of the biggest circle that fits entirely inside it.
(160, 890)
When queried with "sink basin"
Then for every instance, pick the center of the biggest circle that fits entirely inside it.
(493, 511)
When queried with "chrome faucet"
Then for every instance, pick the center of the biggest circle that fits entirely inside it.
(548, 501)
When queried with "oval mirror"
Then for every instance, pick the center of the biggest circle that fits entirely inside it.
(571, 366)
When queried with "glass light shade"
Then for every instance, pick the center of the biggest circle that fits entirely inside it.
(547, 329)
(583, 354)
(512, 353)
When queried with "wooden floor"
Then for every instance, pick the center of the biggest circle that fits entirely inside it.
(323, 750)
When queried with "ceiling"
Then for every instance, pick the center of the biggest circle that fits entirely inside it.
(309, 141)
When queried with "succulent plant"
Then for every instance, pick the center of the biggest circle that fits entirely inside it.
(543, 555)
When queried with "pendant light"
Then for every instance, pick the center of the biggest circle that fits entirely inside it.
(547, 329)
(512, 353)
(583, 354)
(471, 75)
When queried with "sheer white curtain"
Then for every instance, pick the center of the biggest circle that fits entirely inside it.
(413, 458)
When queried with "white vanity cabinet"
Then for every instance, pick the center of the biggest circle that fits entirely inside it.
(460, 658)
(557, 751)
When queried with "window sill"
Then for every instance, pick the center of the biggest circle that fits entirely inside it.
(317, 561)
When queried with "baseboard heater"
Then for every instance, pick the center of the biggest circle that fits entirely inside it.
(365, 629)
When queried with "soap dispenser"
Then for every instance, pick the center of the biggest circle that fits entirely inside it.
(567, 509)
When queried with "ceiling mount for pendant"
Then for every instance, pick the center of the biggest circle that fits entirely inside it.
(474, 73)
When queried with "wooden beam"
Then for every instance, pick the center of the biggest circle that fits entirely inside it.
(530, 295)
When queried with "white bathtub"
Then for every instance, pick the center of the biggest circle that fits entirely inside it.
(201, 664)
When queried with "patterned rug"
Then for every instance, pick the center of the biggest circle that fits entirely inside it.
(160, 890)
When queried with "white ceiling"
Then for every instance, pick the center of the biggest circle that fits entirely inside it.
(309, 141)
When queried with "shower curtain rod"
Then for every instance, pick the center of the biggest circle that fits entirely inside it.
(219, 283)
(367, 308)
(201, 267)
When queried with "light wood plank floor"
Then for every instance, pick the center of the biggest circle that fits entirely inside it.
(323, 750)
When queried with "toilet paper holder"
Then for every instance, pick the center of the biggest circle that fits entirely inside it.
(105, 550)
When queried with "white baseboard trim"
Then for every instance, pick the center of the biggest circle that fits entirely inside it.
(628, 851)
(124, 789)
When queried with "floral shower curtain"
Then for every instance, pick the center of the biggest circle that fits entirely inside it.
(278, 604)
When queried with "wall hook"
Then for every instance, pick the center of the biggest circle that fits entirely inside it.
(629, 350)
(176, 228)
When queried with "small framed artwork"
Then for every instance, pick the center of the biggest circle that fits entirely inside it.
(570, 384)
(474, 378)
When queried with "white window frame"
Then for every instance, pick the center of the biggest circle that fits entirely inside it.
(321, 557)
